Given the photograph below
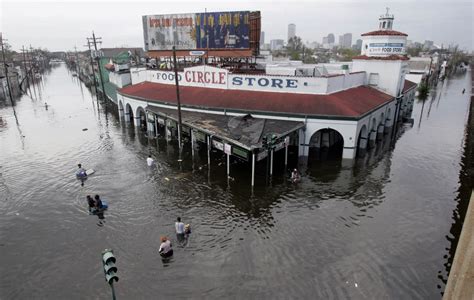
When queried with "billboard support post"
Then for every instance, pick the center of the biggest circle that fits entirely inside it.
(180, 144)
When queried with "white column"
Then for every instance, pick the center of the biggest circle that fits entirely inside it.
(271, 162)
(348, 153)
(209, 151)
(180, 145)
(228, 165)
(192, 143)
(137, 121)
(253, 168)
(286, 155)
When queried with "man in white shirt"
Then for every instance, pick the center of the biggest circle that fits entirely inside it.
(150, 161)
(179, 226)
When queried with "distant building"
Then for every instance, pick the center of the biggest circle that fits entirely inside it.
(262, 39)
(325, 40)
(358, 45)
(345, 40)
(331, 38)
(428, 44)
(291, 31)
(277, 44)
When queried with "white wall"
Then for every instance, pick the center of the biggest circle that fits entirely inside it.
(120, 79)
(391, 73)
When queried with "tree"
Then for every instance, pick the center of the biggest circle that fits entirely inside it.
(347, 54)
(294, 48)
(414, 51)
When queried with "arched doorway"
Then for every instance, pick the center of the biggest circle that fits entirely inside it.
(128, 113)
(362, 141)
(372, 133)
(141, 122)
(381, 127)
(326, 144)
(120, 107)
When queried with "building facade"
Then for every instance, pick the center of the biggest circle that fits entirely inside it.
(346, 112)
(291, 31)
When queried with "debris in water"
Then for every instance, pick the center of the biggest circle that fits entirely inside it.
(84, 129)
(355, 284)
(167, 179)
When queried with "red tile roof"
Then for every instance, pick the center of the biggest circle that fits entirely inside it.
(384, 32)
(408, 85)
(351, 103)
(390, 57)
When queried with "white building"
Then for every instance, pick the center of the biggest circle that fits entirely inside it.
(345, 107)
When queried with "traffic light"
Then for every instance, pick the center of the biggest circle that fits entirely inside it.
(274, 139)
(110, 270)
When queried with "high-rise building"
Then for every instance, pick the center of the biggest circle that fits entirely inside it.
(291, 31)
(358, 44)
(276, 44)
(262, 38)
(428, 44)
(325, 40)
(331, 38)
(345, 40)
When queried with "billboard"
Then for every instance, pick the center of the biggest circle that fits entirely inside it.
(212, 30)
(162, 32)
(222, 30)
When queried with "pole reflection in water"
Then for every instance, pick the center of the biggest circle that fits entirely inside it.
(375, 227)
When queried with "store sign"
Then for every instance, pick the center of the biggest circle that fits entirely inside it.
(241, 153)
(386, 48)
(227, 149)
(218, 145)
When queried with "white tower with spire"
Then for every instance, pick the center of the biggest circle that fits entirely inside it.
(383, 57)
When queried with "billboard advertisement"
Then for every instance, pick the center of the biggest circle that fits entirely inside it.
(222, 30)
(162, 32)
(212, 30)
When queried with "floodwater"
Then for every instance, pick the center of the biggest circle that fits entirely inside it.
(380, 229)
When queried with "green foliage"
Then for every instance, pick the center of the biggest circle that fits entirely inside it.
(347, 54)
(423, 91)
(295, 44)
(414, 51)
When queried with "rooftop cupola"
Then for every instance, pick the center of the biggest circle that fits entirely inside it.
(386, 21)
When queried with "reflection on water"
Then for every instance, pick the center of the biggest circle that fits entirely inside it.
(374, 228)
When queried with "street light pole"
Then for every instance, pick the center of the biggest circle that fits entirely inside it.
(178, 100)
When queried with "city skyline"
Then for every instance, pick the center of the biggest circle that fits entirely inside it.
(65, 30)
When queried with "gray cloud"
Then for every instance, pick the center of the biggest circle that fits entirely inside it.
(62, 25)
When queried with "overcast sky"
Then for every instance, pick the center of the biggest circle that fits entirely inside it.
(61, 25)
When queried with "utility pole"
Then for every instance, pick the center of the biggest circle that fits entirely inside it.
(178, 100)
(95, 41)
(78, 69)
(30, 58)
(6, 68)
(23, 50)
(92, 62)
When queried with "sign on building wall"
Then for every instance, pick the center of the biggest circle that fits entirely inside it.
(218, 145)
(385, 48)
(213, 30)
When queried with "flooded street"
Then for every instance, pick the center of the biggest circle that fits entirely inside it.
(379, 229)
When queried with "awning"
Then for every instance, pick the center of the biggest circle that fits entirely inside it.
(244, 131)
